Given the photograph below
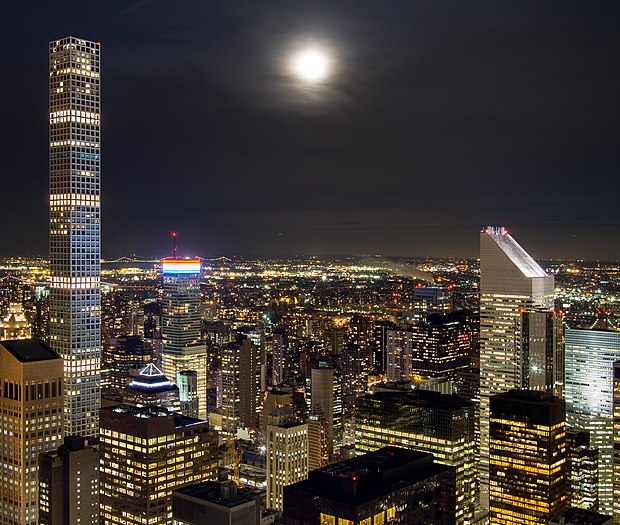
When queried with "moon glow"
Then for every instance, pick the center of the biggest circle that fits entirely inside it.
(311, 65)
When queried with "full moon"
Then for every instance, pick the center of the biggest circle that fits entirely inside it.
(311, 65)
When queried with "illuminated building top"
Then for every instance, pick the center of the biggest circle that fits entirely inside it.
(513, 250)
(180, 266)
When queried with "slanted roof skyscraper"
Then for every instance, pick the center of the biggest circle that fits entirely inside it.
(511, 282)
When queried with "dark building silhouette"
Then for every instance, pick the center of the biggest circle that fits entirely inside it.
(69, 484)
(216, 504)
(391, 485)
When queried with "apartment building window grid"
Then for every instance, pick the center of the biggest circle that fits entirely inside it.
(74, 151)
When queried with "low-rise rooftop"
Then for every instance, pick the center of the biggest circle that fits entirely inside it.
(26, 350)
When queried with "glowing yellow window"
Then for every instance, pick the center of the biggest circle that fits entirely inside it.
(379, 518)
(327, 519)
(366, 521)
(391, 513)
(344, 521)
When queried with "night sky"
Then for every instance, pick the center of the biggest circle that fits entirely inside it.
(440, 117)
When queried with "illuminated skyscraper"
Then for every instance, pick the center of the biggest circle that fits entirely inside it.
(318, 442)
(251, 379)
(278, 352)
(356, 366)
(361, 332)
(426, 421)
(75, 301)
(510, 282)
(590, 357)
(528, 470)
(183, 349)
(541, 351)
(187, 381)
(31, 377)
(428, 300)
(241, 385)
(122, 358)
(583, 469)
(287, 454)
(326, 400)
(146, 453)
(438, 346)
(231, 389)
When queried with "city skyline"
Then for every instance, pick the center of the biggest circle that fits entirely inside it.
(423, 386)
(422, 100)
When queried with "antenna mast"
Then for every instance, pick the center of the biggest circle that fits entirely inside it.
(174, 245)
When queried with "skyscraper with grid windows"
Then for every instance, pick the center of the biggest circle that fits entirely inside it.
(184, 348)
(511, 284)
(75, 303)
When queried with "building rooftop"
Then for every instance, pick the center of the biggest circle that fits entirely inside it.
(151, 379)
(224, 494)
(574, 516)
(422, 398)
(26, 350)
(153, 412)
(528, 396)
(519, 257)
(371, 476)
(71, 444)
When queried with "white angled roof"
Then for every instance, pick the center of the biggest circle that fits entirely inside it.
(519, 257)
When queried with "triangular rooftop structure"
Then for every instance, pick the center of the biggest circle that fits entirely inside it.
(151, 370)
(513, 250)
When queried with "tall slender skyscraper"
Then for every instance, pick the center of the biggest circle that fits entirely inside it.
(326, 400)
(510, 282)
(75, 302)
(241, 385)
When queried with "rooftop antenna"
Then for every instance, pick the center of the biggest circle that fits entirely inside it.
(174, 245)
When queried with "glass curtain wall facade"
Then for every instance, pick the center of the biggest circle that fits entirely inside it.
(590, 357)
(426, 421)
